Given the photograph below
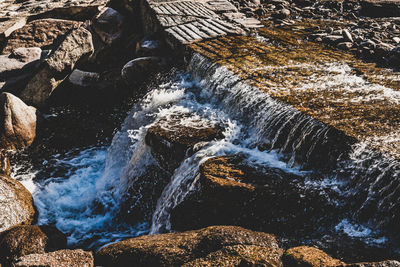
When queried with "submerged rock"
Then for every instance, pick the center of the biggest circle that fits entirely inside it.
(40, 33)
(28, 239)
(232, 191)
(308, 257)
(108, 24)
(172, 138)
(59, 258)
(179, 248)
(16, 204)
(58, 66)
(18, 123)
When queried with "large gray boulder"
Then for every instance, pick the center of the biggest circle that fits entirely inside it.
(16, 204)
(18, 122)
(77, 45)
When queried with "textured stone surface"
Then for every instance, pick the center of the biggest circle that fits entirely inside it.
(19, 61)
(178, 248)
(7, 27)
(28, 239)
(137, 70)
(18, 122)
(58, 66)
(308, 257)
(60, 258)
(172, 137)
(16, 204)
(234, 192)
(77, 9)
(240, 255)
(39, 33)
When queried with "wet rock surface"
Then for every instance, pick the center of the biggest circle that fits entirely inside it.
(59, 258)
(16, 204)
(232, 191)
(138, 69)
(172, 139)
(179, 248)
(30, 239)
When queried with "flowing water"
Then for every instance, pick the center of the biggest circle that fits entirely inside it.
(85, 203)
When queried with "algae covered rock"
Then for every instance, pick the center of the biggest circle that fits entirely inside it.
(240, 255)
(179, 248)
(16, 204)
(305, 256)
(28, 239)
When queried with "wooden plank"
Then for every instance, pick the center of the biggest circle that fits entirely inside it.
(197, 30)
(172, 32)
(187, 30)
(182, 33)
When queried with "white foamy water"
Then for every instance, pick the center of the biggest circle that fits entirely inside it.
(361, 232)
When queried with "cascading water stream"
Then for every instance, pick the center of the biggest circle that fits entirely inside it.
(86, 205)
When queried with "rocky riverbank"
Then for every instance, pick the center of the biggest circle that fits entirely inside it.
(71, 70)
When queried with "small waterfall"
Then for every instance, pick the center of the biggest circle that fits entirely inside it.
(368, 180)
(267, 132)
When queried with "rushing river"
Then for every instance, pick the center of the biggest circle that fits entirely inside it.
(85, 202)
